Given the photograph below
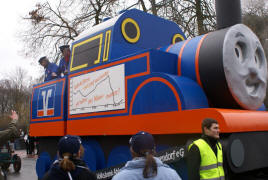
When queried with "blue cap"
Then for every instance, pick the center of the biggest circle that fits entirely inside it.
(142, 141)
(41, 59)
(63, 47)
(69, 144)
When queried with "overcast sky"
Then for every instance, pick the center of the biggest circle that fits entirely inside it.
(10, 13)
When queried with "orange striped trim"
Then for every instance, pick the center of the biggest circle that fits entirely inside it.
(175, 122)
(169, 47)
(180, 56)
(151, 80)
(197, 60)
(112, 64)
(57, 128)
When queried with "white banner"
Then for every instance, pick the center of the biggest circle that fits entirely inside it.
(102, 90)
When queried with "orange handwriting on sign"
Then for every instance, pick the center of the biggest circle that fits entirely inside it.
(88, 85)
(97, 98)
(90, 101)
(101, 77)
(112, 94)
(82, 101)
(81, 83)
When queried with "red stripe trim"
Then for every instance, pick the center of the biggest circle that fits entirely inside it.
(169, 47)
(151, 80)
(48, 128)
(180, 56)
(176, 122)
(197, 60)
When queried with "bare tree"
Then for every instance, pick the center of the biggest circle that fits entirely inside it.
(15, 94)
(195, 17)
(52, 25)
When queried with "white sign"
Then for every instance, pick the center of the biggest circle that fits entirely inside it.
(102, 90)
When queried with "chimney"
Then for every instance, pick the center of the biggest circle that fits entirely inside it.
(228, 13)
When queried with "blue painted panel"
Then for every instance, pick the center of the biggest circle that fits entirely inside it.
(158, 96)
(98, 152)
(153, 33)
(47, 100)
(163, 62)
(188, 58)
(155, 97)
(43, 164)
(118, 155)
(90, 157)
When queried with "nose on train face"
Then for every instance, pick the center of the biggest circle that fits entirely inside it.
(245, 66)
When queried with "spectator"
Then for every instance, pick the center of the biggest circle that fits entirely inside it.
(64, 62)
(52, 70)
(205, 158)
(11, 132)
(31, 146)
(144, 165)
(19, 141)
(26, 141)
(69, 166)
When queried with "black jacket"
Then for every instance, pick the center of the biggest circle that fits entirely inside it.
(194, 159)
(81, 172)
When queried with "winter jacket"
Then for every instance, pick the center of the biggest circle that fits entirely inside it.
(63, 66)
(194, 159)
(81, 172)
(51, 68)
(133, 170)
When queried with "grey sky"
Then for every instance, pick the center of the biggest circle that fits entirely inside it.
(10, 12)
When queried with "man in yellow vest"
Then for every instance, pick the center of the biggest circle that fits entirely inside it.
(204, 159)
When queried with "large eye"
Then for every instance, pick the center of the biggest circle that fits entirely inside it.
(130, 30)
(240, 49)
(258, 57)
(177, 38)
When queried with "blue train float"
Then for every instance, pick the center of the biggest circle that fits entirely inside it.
(138, 72)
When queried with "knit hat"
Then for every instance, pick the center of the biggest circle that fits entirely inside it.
(69, 144)
(142, 141)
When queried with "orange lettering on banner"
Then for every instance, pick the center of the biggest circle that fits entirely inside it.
(97, 98)
(101, 77)
(81, 83)
(112, 94)
(82, 101)
(88, 85)
(90, 101)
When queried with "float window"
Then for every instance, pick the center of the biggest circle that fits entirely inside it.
(177, 38)
(130, 30)
(86, 53)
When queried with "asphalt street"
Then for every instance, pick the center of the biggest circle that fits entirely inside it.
(27, 171)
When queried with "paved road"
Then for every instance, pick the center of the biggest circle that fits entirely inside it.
(27, 171)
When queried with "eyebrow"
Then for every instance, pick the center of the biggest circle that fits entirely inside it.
(239, 34)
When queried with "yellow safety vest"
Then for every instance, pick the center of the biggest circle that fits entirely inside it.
(211, 166)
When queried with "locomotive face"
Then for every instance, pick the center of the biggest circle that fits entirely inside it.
(245, 66)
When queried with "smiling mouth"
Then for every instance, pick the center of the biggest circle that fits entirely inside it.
(252, 87)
